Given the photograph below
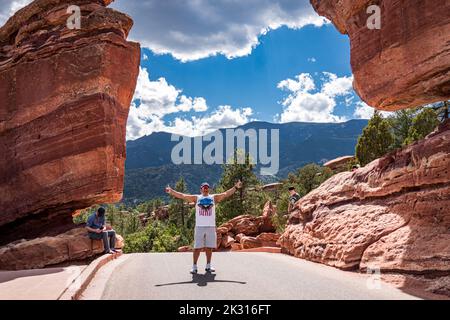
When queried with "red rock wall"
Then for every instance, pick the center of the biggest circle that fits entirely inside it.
(64, 101)
(404, 64)
(393, 214)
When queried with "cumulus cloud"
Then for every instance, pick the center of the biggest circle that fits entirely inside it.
(158, 98)
(364, 111)
(195, 29)
(153, 100)
(223, 117)
(307, 103)
(8, 8)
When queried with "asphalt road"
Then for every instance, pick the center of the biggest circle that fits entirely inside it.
(248, 276)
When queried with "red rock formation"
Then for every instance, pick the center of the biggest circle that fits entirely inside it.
(227, 241)
(250, 242)
(394, 213)
(247, 231)
(41, 252)
(406, 62)
(64, 101)
(268, 239)
(184, 249)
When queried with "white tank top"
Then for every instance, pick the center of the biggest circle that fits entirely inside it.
(205, 211)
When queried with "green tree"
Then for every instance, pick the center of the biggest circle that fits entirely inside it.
(375, 141)
(400, 123)
(245, 200)
(178, 208)
(422, 125)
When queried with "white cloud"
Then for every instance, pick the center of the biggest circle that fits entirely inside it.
(223, 117)
(153, 100)
(312, 59)
(334, 86)
(8, 8)
(364, 111)
(159, 98)
(195, 29)
(307, 104)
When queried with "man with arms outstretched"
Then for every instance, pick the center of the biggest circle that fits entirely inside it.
(205, 236)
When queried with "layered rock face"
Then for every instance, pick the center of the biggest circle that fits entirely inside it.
(403, 64)
(393, 214)
(73, 245)
(64, 100)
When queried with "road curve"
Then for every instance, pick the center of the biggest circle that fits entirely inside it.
(251, 276)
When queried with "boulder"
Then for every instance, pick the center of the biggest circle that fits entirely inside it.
(393, 213)
(185, 249)
(73, 245)
(250, 242)
(236, 246)
(246, 224)
(269, 239)
(64, 101)
(227, 241)
(239, 237)
(221, 230)
(404, 63)
(120, 242)
(226, 226)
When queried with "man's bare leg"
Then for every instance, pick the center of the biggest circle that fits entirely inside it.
(196, 255)
(208, 255)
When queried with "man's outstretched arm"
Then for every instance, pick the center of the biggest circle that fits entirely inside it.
(222, 196)
(182, 196)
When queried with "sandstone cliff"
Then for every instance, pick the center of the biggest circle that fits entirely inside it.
(405, 63)
(64, 101)
(393, 214)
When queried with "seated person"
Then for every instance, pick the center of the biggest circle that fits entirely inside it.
(293, 198)
(96, 229)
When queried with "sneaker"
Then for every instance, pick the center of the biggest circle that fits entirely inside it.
(194, 270)
(210, 269)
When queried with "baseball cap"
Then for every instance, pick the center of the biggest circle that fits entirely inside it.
(204, 184)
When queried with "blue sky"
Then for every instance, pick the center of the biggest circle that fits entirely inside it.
(251, 81)
(210, 64)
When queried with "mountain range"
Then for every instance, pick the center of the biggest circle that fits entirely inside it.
(149, 168)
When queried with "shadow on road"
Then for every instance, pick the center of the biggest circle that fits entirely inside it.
(201, 280)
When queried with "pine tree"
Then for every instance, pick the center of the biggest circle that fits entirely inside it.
(244, 201)
(177, 208)
(423, 124)
(400, 123)
(375, 141)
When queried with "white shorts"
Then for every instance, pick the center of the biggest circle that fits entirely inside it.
(205, 237)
